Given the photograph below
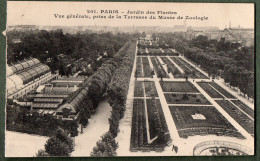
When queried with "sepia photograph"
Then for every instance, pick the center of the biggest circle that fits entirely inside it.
(106, 79)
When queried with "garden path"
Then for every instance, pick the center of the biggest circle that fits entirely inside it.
(20, 144)
(97, 126)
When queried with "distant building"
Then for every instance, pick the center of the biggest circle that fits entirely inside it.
(22, 27)
(242, 35)
(16, 41)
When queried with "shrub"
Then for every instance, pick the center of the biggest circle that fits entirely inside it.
(185, 96)
(60, 144)
(55, 147)
(106, 147)
(42, 153)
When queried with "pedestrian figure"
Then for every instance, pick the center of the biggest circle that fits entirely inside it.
(176, 149)
(173, 147)
(81, 128)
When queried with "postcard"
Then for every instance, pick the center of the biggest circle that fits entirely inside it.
(105, 79)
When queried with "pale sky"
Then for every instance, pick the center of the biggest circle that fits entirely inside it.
(42, 13)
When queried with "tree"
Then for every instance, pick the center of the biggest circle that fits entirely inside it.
(42, 153)
(83, 118)
(55, 147)
(59, 144)
(154, 36)
(12, 113)
(106, 147)
(114, 123)
(143, 34)
(71, 126)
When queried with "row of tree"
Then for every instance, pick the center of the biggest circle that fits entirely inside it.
(96, 86)
(231, 70)
(117, 93)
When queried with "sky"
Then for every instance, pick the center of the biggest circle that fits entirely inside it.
(42, 13)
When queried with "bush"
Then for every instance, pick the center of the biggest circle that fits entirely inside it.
(60, 144)
(106, 147)
(185, 96)
(42, 153)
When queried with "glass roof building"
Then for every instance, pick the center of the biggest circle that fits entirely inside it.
(23, 73)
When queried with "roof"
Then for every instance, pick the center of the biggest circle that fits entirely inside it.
(13, 82)
(59, 90)
(48, 100)
(9, 71)
(33, 72)
(50, 96)
(45, 105)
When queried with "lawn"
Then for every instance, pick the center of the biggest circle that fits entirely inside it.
(178, 87)
(173, 98)
(201, 120)
(150, 89)
(138, 90)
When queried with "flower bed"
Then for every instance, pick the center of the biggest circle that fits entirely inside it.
(187, 68)
(139, 140)
(150, 89)
(172, 98)
(146, 67)
(244, 107)
(221, 90)
(138, 90)
(198, 74)
(241, 118)
(172, 69)
(209, 90)
(154, 108)
(178, 87)
(139, 72)
(158, 68)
